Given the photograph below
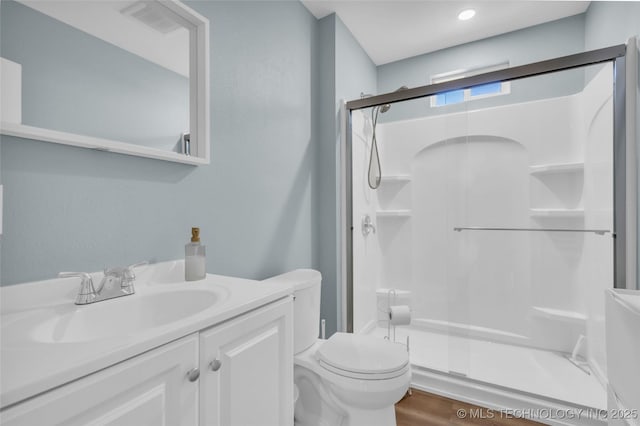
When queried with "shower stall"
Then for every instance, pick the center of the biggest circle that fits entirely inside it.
(499, 218)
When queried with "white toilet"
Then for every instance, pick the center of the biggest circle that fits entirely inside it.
(348, 379)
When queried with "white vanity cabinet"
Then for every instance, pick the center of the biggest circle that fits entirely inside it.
(244, 377)
(151, 389)
(246, 369)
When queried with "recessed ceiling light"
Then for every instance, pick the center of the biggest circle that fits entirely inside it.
(465, 15)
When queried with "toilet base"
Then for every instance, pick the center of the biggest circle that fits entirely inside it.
(355, 417)
(325, 404)
(330, 399)
(383, 417)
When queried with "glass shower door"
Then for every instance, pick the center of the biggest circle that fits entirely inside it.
(533, 174)
(484, 220)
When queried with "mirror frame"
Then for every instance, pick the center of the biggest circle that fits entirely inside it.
(198, 27)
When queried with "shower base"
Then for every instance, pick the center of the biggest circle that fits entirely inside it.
(500, 376)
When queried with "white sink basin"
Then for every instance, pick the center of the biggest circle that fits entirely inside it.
(47, 341)
(122, 316)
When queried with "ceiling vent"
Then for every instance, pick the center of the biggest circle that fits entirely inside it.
(153, 15)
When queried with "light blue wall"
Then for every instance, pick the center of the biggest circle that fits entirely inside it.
(74, 82)
(345, 72)
(355, 72)
(546, 41)
(69, 208)
(608, 24)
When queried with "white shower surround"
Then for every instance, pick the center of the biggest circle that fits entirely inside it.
(478, 168)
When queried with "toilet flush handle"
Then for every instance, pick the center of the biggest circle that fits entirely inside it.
(215, 365)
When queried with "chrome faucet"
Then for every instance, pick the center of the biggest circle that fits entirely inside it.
(115, 283)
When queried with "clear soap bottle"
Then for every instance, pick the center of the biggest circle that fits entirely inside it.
(194, 258)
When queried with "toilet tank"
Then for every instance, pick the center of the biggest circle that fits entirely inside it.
(306, 305)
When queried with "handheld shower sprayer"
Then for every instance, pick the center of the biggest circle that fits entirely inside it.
(375, 171)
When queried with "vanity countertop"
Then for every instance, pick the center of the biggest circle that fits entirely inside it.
(40, 347)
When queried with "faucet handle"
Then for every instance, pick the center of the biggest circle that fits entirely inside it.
(87, 293)
(126, 272)
(128, 276)
(129, 269)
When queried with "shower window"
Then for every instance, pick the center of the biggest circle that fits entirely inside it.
(448, 98)
(487, 89)
(476, 92)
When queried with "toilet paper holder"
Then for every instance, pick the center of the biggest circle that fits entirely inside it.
(396, 315)
(390, 321)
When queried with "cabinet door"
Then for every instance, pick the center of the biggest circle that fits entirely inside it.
(247, 369)
(151, 389)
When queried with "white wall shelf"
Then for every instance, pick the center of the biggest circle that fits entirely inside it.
(570, 181)
(559, 314)
(393, 213)
(99, 144)
(559, 213)
(399, 179)
(548, 169)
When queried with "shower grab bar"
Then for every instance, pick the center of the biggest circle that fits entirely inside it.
(481, 228)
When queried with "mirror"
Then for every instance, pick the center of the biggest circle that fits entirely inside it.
(126, 76)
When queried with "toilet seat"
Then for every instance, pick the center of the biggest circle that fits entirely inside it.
(363, 357)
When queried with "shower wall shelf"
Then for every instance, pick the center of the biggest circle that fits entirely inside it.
(399, 179)
(571, 176)
(393, 213)
(559, 314)
(557, 213)
(393, 197)
(556, 168)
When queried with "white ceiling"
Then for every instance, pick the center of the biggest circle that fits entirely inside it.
(392, 30)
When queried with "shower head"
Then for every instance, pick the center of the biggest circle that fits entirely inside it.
(375, 173)
(386, 107)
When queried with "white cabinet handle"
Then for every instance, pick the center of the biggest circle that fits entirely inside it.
(193, 374)
(215, 365)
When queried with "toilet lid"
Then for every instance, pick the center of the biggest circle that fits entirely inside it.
(363, 354)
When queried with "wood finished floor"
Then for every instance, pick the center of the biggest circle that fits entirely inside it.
(425, 409)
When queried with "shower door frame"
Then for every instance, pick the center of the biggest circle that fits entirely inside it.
(615, 54)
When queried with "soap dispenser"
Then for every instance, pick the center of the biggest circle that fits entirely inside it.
(194, 258)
